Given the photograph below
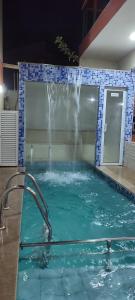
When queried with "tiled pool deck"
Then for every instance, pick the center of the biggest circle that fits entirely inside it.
(10, 249)
(122, 175)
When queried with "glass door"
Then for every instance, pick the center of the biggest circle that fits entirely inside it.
(113, 127)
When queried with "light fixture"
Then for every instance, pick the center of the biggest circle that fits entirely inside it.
(92, 99)
(132, 36)
(2, 89)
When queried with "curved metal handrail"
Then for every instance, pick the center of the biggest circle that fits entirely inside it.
(23, 187)
(35, 185)
(37, 189)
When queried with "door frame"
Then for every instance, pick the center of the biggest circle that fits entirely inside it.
(122, 125)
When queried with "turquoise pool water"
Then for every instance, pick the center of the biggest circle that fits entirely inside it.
(81, 206)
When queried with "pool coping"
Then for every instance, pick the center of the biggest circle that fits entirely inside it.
(114, 182)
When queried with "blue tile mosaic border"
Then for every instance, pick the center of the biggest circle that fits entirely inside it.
(117, 186)
(61, 74)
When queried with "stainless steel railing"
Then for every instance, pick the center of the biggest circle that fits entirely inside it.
(46, 213)
(22, 173)
(108, 242)
(23, 187)
(73, 242)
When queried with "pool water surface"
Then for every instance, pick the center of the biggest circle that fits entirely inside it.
(81, 206)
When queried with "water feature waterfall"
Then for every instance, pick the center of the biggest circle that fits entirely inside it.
(63, 115)
(77, 88)
(51, 119)
(49, 128)
(31, 153)
(62, 127)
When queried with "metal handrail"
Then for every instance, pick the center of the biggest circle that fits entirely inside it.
(37, 189)
(35, 185)
(23, 187)
(73, 242)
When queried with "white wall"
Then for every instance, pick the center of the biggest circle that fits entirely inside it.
(127, 62)
(97, 63)
(1, 44)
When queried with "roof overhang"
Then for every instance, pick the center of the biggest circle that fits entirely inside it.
(109, 36)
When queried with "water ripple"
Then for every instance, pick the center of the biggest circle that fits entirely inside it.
(63, 178)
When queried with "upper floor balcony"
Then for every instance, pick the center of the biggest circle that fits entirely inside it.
(91, 9)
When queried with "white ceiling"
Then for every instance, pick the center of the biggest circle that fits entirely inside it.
(113, 42)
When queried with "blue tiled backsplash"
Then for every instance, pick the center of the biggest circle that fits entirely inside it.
(61, 74)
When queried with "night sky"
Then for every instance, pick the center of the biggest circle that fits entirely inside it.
(30, 28)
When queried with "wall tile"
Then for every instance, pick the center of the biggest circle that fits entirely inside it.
(60, 74)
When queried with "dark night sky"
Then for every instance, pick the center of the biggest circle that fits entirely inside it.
(30, 28)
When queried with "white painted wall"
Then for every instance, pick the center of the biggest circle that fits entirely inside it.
(1, 43)
(127, 62)
(97, 63)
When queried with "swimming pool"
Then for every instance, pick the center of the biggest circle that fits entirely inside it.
(81, 206)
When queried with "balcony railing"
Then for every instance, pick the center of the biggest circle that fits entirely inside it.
(91, 9)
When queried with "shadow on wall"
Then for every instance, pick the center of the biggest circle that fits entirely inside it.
(11, 100)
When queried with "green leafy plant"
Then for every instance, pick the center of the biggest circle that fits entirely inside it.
(62, 45)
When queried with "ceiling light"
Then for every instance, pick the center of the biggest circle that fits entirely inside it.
(132, 36)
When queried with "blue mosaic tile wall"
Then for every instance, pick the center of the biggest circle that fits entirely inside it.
(133, 80)
(61, 74)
